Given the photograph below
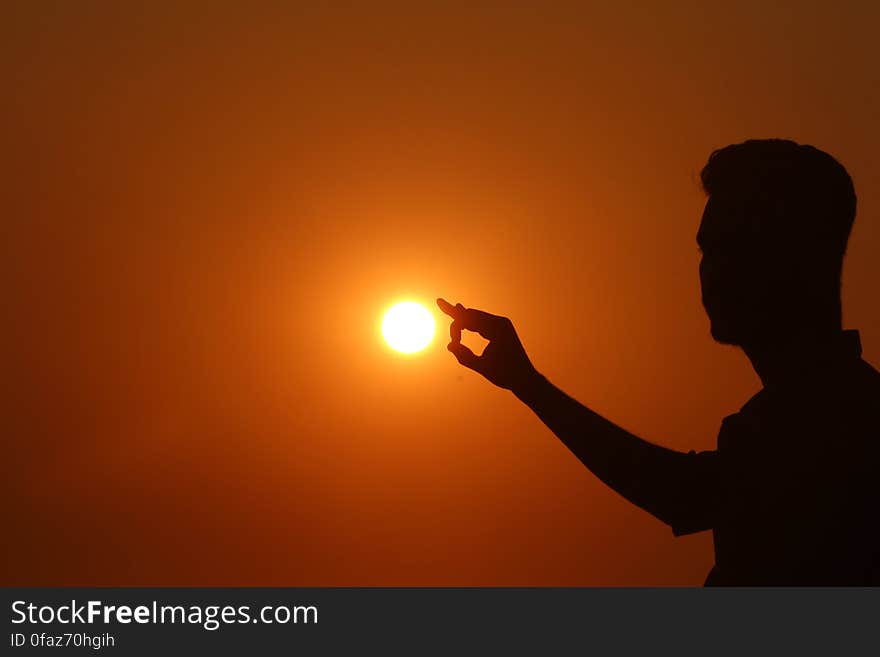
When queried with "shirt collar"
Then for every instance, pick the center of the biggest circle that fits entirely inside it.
(851, 344)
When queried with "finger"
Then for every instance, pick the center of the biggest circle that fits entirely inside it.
(486, 324)
(464, 355)
(455, 331)
(448, 308)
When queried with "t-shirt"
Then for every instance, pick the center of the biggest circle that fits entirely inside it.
(791, 492)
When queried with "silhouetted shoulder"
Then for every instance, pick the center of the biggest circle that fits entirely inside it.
(865, 400)
(868, 380)
(799, 468)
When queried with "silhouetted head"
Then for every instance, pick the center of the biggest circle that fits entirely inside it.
(773, 237)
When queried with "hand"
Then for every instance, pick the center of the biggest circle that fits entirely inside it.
(504, 361)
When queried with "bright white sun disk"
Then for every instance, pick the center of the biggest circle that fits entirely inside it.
(408, 327)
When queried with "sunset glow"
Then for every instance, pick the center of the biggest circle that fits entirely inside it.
(216, 208)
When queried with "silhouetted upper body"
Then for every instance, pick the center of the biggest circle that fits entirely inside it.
(791, 491)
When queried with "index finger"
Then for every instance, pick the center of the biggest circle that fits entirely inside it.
(448, 308)
(486, 324)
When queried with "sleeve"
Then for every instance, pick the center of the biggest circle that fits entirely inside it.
(697, 489)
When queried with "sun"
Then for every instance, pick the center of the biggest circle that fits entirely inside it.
(408, 327)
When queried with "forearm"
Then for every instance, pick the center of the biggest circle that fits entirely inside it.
(652, 477)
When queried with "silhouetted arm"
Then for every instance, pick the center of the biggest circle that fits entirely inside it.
(676, 487)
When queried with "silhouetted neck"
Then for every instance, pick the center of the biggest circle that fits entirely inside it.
(783, 361)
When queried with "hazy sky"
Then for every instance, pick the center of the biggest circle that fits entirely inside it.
(208, 208)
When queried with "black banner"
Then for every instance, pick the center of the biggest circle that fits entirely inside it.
(133, 621)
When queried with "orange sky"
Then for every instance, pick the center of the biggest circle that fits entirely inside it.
(208, 210)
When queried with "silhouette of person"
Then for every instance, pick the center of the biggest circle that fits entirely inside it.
(791, 493)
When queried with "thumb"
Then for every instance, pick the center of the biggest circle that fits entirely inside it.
(464, 355)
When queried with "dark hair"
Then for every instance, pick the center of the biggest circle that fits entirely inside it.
(799, 193)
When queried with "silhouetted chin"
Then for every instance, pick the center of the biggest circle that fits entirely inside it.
(725, 323)
(725, 338)
(724, 333)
